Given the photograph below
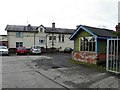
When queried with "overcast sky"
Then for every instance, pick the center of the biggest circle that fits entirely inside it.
(65, 13)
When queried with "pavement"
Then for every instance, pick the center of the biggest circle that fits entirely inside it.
(58, 68)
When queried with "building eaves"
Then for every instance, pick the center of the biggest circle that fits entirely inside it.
(97, 32)
(21, 28)
(59, 30)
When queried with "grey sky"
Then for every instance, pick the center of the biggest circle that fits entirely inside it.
(65, 13)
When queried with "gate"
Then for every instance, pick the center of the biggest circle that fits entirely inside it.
(113, 55)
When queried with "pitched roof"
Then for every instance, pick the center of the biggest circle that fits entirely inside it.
(59, 30)
(97, 32)
(30, 28)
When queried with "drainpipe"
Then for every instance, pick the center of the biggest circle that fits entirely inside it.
(34, 36)
(46, 39)
(96, 46)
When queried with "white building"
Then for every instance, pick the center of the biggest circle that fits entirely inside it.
(38, 35)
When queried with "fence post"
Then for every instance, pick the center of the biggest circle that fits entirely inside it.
(107, 57)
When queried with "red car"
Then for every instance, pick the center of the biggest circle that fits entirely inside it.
(21, 50)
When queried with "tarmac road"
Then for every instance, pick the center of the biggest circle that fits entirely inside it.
(16, 74)
(52, 71)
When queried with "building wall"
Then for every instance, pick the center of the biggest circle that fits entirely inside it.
(62, 45)
(102, 45)
(77, 44)
(28, 40)
(39, 36)
(77, 40)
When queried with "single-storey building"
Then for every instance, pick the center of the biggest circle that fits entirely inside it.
(46, 37)
(90, 43)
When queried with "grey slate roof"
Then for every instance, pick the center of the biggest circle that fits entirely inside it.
(30, 28)
(99, 32)
(59, 30)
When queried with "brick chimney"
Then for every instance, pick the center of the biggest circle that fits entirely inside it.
(118, 27)
(53, 25)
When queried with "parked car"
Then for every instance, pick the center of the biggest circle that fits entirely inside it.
(4, 50)
(68, 50)
(21, 50)
(35, 50)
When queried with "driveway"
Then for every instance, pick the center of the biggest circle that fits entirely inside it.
(52, 71)
(60, 69)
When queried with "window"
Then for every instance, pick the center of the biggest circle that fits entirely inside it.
(19, 44)
(61, 37)
(41, 29)
(54, 38)
(19, 34)
(50, 37)
(42, 40)
(87, 43)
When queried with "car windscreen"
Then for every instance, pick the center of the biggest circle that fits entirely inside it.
(3, 47)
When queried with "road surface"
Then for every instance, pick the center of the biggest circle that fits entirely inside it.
(16, 74)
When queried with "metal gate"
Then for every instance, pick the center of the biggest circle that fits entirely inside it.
(113, 55)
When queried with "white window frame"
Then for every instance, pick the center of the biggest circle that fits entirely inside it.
(88, 44)
(61, 38)
(19, 44)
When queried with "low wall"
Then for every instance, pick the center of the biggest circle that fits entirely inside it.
(83, 56)
(101, 57)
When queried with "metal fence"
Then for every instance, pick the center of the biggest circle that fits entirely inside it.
(113, 55)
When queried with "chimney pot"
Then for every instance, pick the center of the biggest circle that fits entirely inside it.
(118, 27)
(53, 25)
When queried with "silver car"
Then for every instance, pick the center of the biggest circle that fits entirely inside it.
(4, 50)
(35, 50)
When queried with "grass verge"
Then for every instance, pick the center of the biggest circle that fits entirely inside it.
(88, 65)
